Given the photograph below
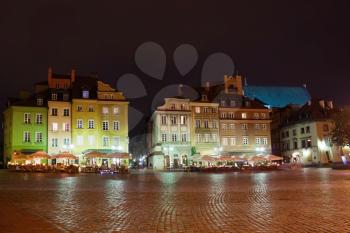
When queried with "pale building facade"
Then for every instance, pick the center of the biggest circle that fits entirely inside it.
(171, 134)
(306, 138)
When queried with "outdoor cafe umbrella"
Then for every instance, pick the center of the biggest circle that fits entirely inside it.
(273, 158)
(208, 158)
(64, 155)
(118, 156)
(95, 154)
(227, 158)
(39, 155)
(256, 158)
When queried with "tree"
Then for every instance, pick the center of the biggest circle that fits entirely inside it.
(340, 135)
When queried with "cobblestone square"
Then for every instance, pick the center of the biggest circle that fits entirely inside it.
(305, 200)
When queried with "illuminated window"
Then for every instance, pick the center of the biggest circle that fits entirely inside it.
(66, 127)
(54, 96)
(206, 109)
(257, 141)
(231, 115)
(225, 141)
(198, 110)
(223, 103)
(264, 126)
(244, 115)
(86, 94)
(214, 137)
(79, 123)
(265, 141)
(223, 114)
(38, 137)
(215, 124)
(115, 110)
(198, 138)
(54, 126)
(184, 137)
(206, 138)
(183, 120)
(80, 140)
(223, 126)
(105, 110)
(233, 141)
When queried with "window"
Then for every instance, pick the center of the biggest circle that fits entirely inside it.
(263, 115)
(302, 130)
(245, 140)
(105, 125)
(57, 85)
(116, 141)
(54, 142)
(287, 134)
(115, 125)
(198, 110)
(206, 138)
(223, 103)
(105, 110)
(26, 136)
(79, 108)
(233, 141)
(294, 132)
(264, 126)
(198, 124)
(223, 126)
(173, 106)
(66, 112)
(79, 123)
(214, 137)
(91, 124)
(215, 124)
(256, 126)
(66, 141)
(54, 96)
(91, 109)
(80, 140)
(295, 144)
(91, 139)
(213, 110)
(86, 94)
(231, 115)
(307, 129)
(66, 127)
(105, 141)
(65, 97)
(173, 120)
(174, 137)
(206, 124)
(39, 101)
(303, 143)
(325, 127)
(206, 109)
(223, 114)
(115, 110)
(257, 141)
(245, 126)
(163, 120)
(184, 137)
(164, 137)
(233, 103)
(27, 117)
(309, 143)
(265, 142)
(198, 138)
(244, 115)
(256, 115)
(204, 97)
(54, 126)
(54, 111)
(39, 118)
(232, 126)
(183, 120)
(182, 107)
(225, 141)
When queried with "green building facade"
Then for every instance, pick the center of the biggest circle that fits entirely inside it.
(25, 129)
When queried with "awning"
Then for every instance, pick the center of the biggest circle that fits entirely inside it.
(273, 158)
(64, 155)
(40, 155)
(118, 156)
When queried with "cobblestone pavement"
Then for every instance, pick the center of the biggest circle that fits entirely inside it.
(305, 200)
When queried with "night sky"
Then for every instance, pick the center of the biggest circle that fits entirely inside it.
(271, 42)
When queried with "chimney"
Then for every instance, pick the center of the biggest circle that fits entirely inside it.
(207, 86)
(322, 103)
(330, 104)
(180, 91)
(72, 76)
(49, 77)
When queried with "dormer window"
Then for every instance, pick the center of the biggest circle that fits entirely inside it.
(86, 94)
(173, 106)
(204, 97)
(39, 101)
(65, 97)
(54, 96)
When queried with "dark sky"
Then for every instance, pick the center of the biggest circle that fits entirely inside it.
(271, 42)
